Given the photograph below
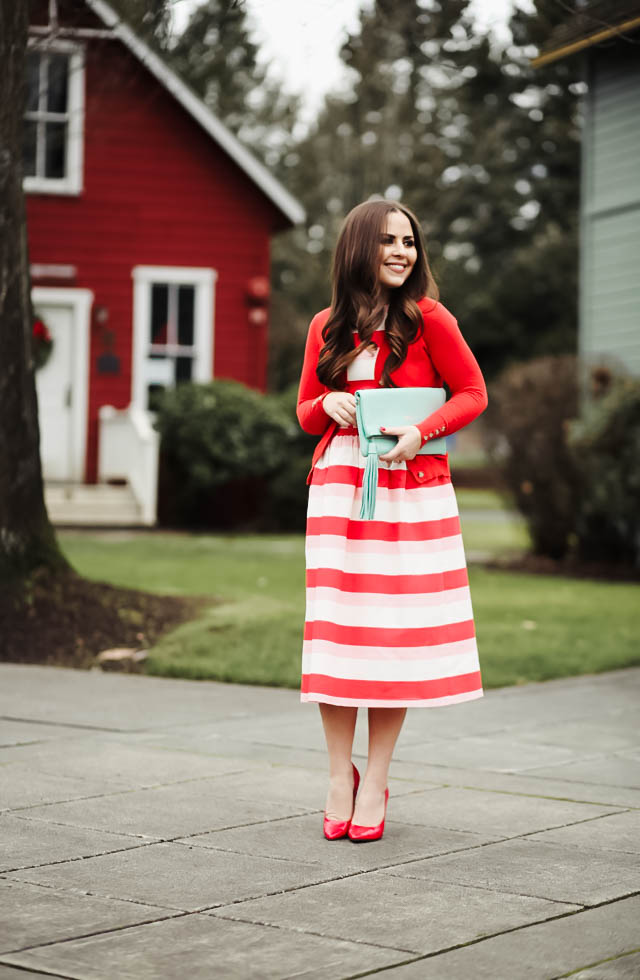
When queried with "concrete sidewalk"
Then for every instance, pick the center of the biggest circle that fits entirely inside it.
(156, 828)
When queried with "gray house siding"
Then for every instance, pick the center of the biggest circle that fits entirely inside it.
(609, 299)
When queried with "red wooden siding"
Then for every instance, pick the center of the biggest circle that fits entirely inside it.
(157, 191)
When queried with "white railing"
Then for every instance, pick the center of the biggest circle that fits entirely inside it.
(128, 450)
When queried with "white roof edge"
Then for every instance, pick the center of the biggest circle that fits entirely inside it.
(267, 183)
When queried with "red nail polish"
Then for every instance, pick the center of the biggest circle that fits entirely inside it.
(382, 428)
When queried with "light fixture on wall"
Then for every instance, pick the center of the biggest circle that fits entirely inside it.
(101, 315)
(107, 361)
(258, 291)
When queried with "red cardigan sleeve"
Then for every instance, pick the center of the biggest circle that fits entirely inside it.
(311, 415)
(454, 361)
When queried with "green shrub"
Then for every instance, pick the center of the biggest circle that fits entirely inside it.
(572, 463)
(220, 442)
(530, 406)
(285, 505)
(231, 457)
(605, 443)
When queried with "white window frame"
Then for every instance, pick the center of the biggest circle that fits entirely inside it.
(203, 280)
(73, 182)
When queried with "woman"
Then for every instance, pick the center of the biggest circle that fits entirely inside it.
(389, 622)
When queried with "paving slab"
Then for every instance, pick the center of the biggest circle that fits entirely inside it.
(545, 951)
(621, 731)
(303, 835)
(283, 729)
(201, 947)
(25, 843)
(625, 967)
(198, 807)
(618, 832)
(610, 769)
(15, 973)
(175, 876)
(488, 752)
(99, 700)
(286, 785)
(494, 815)
(585, 875)
(205, 742)
(166, 812)
(27, 732)
(120, 766)
(526, 784)
(397, 912)
(593, 698)
(22, 786)
(31, 915)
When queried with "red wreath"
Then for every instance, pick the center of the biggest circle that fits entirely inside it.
(42, 344)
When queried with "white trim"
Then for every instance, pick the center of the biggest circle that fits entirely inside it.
(128, 449)
(72, 32)
(267, 183)
(203, 315)
(40, 270)
(80, 300)
(72, 184)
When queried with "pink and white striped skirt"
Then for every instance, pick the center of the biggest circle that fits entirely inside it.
(389, 621)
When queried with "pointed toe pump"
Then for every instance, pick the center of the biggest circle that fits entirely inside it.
(335, 829)
(361, 834)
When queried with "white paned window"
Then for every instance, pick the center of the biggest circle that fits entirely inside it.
(173, 329)
(172, 333)
(54, 119)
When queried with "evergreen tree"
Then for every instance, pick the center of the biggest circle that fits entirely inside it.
(480, 145)
(150, 19)
(217, 57)
(387, 134)
(512, 208)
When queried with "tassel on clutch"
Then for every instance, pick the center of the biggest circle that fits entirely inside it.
(391, 407)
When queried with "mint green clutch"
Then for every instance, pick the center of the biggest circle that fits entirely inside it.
(391, 407)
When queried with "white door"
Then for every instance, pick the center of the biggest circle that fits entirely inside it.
(61, 384)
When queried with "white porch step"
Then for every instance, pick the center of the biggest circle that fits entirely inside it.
(86, 505)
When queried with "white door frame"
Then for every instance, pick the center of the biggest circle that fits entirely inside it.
(80, 301)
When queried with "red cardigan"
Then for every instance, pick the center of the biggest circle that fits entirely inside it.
(439, 354)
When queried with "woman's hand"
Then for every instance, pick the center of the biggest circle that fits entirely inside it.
(341, 407)
(409, 442)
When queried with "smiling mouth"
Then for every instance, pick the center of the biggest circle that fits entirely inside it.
(396, 266)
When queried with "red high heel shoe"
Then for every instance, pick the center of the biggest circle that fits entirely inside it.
(361, 834)
(335, 829)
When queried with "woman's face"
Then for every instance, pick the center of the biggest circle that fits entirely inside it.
(398, 252)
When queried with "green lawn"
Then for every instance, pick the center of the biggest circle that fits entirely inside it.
(492, 538)
(479, 499)
(529, 627)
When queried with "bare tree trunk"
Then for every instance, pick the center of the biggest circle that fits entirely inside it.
(27, 539)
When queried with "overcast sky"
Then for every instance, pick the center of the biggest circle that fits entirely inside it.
(302, 38)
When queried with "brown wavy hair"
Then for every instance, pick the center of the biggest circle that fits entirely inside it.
(357, 299)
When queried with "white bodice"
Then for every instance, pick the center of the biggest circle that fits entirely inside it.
(363, 367)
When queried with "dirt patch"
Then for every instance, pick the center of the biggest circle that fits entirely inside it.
(567, 567)
(65, 620)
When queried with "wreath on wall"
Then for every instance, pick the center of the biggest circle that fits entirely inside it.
(42, 343)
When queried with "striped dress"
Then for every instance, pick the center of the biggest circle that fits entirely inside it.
(389, 621)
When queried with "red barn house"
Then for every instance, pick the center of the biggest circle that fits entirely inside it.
(149, 227)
